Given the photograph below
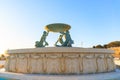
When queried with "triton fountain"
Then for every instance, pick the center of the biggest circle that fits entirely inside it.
(61, 59)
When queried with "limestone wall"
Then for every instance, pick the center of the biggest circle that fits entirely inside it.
(60, 62)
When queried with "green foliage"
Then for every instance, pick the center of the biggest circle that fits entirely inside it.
(105, 45)
(109, 45)
(113, 44)
(99, 46)
(2, 57)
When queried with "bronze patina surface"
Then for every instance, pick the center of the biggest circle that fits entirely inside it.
(57, 27)
(64, 39)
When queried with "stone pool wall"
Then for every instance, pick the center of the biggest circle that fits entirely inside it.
(60, 60)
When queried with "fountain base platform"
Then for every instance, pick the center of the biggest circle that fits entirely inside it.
(60, 60)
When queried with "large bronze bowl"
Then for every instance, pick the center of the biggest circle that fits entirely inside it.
(57, 27)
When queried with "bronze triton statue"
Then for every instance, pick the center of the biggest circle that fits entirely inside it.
(63, 29)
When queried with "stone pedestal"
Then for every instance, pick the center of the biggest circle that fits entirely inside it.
(60, 60)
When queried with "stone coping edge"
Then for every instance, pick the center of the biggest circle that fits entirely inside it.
(59, 49)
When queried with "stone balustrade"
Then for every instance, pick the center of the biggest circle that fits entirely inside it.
(60, 60)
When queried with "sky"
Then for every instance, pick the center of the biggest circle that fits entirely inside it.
(92, 22)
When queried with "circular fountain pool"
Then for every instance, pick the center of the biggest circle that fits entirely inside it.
(60, 60)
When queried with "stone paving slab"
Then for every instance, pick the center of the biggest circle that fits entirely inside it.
(100, 76)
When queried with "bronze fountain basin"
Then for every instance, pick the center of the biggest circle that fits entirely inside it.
(57, 27)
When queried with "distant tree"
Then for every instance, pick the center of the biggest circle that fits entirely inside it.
(3, 57)
(113, 44)
(109, 45)
(93, 46)
(105, 45)
(98, 46)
